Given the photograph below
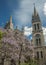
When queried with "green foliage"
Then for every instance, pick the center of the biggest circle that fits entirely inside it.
(24, 64)
(31, 62)
(1, 35)
(28, 64)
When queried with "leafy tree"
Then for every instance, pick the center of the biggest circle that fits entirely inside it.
(30, 62)
(1, 35)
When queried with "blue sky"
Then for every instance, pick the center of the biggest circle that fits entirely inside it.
(21, 11)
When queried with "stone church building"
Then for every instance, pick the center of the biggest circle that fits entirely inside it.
(38, 50)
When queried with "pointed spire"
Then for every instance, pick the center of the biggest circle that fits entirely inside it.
(11, 24)
(10, 19)
(35, 12)
(35, 16)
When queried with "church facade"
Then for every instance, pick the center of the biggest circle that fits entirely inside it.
(39, 48)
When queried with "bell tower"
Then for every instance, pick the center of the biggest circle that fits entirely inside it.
(37, 35)
(38, 38)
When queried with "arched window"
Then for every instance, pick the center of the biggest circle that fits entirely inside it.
(37, 55)
(41, 54)
(38, 26)
(34, 26)
(38, 39)
(37, 42)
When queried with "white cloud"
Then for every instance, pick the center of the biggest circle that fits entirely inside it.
(44, 32)
(28, 31)
(45, 8)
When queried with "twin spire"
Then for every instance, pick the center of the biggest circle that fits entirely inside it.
(35, 18)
